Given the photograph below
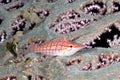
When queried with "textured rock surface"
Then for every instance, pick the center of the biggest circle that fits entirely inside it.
(95, 23)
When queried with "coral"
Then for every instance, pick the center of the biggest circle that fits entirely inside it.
(94, 23)
(8, 77)
(2, 35)
(95, 7)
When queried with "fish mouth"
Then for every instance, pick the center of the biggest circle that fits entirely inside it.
(109, 38)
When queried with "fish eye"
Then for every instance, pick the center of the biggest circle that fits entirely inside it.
(71, 46)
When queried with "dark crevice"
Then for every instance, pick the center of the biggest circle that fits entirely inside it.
(94, 10)
(93, 3)
(116, 6)
(41, 77)
(71, 1)
(51, 1)
(108, 35)
(43, 14)
(100, 4)
(29, 77)
(19, 6)
(5, 1)
(32, 26)
(1, 20)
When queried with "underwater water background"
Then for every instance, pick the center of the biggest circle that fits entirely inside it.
(94, 23)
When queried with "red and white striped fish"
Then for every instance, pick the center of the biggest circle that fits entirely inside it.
(58, 47)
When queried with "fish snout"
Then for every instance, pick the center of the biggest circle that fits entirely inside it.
(81, 46)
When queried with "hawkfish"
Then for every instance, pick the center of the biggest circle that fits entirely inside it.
(57, 47)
